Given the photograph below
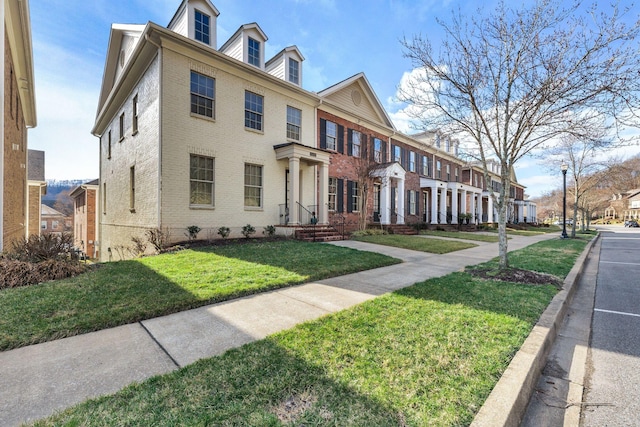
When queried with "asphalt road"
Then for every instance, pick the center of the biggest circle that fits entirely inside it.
(612, 388)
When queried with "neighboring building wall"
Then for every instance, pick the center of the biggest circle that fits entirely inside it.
(85, 219)
(15, 157)
(140, 150)
(230, 144)
(35, 201)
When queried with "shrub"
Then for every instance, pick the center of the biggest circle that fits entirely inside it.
(248, 230)
(192, 232)
(158, 238)
(139, 246)
(41, 248)
(269, 230)
(369, 232)
(15, 273)
(224, 232)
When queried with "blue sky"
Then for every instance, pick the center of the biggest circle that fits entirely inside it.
(337, 38)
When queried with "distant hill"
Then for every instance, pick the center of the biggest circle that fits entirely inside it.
(58, 191)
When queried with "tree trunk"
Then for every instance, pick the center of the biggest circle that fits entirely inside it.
(502, 231)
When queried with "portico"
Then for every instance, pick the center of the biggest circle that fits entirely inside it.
(389, 174)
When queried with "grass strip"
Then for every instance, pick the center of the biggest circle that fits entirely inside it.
(416, 243)
(123, 292)
(428, 354)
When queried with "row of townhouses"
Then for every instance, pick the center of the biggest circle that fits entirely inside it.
(191, 134)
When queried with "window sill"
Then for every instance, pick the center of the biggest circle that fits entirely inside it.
(253, 209)
(201, 208)
(201, 117)
(258, 131)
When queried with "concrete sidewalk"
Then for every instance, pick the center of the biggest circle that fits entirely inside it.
(41, 379)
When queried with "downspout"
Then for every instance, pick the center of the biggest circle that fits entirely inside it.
(160, 108)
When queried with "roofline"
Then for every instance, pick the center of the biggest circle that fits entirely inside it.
(240, 30)
(17, 23)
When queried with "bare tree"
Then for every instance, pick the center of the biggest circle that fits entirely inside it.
(511, 81)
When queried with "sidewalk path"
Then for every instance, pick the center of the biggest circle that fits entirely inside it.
(41, 379)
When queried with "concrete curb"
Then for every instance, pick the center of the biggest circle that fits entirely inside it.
(508, 401)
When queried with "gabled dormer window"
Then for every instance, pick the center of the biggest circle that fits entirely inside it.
(254, 52)
(294, 71)
(202, 27)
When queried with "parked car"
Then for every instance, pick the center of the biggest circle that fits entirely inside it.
(633, 224)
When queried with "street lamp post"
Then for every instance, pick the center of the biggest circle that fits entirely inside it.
(564, 168)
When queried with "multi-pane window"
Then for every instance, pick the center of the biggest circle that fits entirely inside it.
(121, 128)
(412, 161)
(202, 27)
(448, 172)
(437, 141)
(355, 197)
(253, 110)
(377, 150)
(135, 114)
(356, 138)
(333, 193)
(294, 121)
(202, 95)
(332, 135)
(254, 52)
(426, 166)
(438, 169)
(447, 145)
(201, 179)
(412, 202)
(397, 154)
(252, 186)
(294, 71)
(457, 176)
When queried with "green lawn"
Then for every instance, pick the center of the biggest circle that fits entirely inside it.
(129, 291)
(416, 243)
(428, 354)
(466, 235)
(530, 230)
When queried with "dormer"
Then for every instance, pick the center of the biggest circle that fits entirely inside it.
(247, 45)
(287, 65)
(196, 19)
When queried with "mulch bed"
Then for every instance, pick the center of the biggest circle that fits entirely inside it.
(517, 275)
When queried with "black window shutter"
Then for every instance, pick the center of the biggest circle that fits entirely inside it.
(393, 153)
(363, 146)
(340, 139)
(418, 203)
(340, 195)
(384, 152)
(350, 142)
(323, 134)
(349, 196)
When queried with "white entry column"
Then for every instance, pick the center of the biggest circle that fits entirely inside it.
(434, 205)
(454, 205)
(400, 192)
(443, 205)
(385, 201)
(473, 206)
(323, 206)
(463, 202)
(490, 208)
(294, 193)
(480, 208)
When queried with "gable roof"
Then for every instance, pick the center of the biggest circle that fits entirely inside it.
(333, 94)
(242, 29)
(183, 5)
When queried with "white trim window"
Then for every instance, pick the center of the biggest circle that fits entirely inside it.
(377, 150)
(332, 136)
(294, 121)
(333, 194)
(412, 161)
(253, 110)
(253, 52)
(202, 180)
(252, 186)
(202, 95)
(356, 138)
(294, 71)
(412, 202)
(202, 27)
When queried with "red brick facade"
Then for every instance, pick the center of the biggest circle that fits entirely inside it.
(14, 168)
